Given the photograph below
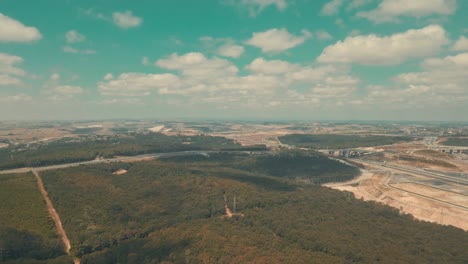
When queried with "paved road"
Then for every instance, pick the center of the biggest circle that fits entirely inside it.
(119, 159)
(417, 171)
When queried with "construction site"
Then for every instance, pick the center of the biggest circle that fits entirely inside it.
(420, 178)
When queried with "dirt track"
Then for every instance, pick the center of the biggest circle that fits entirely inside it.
(54, 215)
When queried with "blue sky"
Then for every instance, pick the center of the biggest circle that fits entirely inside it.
(234, 59)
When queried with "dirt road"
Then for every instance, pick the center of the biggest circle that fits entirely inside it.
(53, 214)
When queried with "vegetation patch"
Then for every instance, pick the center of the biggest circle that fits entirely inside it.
(172, 210)
(339, 141)
(26, 231)
(456, 141)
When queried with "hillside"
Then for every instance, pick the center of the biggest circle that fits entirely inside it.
(172, 211)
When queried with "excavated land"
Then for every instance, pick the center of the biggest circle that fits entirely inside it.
(422, 197)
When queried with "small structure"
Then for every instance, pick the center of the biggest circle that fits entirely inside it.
(229, 213)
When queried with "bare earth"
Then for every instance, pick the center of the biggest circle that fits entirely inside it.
(422, 202)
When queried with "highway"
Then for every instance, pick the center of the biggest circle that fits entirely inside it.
(118, 159)
(430, 142)
(416, 171)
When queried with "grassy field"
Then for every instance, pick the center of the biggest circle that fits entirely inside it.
(26, 231)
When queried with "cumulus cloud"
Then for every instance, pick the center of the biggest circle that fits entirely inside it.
(322, 35)
(231, 50)
(389, 50)
(358, 3)
(145, 61)
(461, 44)
(217, 82)
(55, 77)
(74, 36)
(441, 82)
(9, 72)
(197, 65)
(391, 10)
(64, 92)
(67, 90)
(69, 49)
(332, 7)
(257, 6)
(12, 30)
(277, 40)
(16, 98)
(108, 76)
(136, 84)
(440, 72)
(126, 19)
(262, 66)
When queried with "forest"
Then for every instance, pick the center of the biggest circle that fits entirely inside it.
(340, 141)
(88, 148)
(26, 231)
(456, 141)
(171, 211)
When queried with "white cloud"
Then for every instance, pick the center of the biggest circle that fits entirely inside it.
(257, 6)
(323, 35)
(14, 31)
(69, 49)
(145, 61)
(273, 67)
(126, 19)
(358, 3)
(390, 50)
(461, 44)
(16, 98)
(74, 36)
(137, 84)
(391, 10)
(55, 77)
(108, 76)
(440, 83)
(277, 40)
(8, 80)
(225, 47)
(231, 50)
(332, 7)
(67, 90)
(7, 64)
(195, 64)
(9, 72)
(214, 82)
(451, 71)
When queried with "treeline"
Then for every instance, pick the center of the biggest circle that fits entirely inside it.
(340, 141)
(290, 164)
(88, 148)
(456, 141)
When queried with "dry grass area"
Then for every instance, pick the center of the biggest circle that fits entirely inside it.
(410, 198)
(27, 134)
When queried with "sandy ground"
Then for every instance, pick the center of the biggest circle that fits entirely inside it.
(120, 172)
(422, 202)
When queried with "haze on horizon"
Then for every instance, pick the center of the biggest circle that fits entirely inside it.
(234, 59)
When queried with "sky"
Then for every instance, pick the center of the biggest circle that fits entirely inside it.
(234, 59)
